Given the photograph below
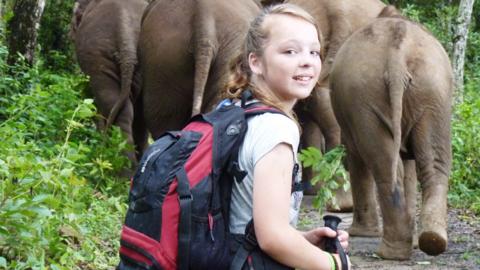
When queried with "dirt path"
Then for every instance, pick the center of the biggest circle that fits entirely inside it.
(463, 244)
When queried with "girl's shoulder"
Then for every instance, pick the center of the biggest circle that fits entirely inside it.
(272, 122)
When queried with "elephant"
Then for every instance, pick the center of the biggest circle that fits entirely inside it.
(337, 20)
(105, 34)
(185, 49)
(391, 91)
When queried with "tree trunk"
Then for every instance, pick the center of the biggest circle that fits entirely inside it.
(23, 29)
(460, 44)
(2, 10)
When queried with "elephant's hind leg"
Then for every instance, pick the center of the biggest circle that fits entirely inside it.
(107, 92)
(432, 154)
(376, 148)
(365, 216)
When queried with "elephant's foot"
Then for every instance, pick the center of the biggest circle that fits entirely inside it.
(433, 234)
(396, 250)
(365, 231)
(433, 242)
(344, 202)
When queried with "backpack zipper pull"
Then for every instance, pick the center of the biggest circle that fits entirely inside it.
(210, 226)
(250, 262)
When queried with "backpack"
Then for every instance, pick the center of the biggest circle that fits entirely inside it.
(179, 198)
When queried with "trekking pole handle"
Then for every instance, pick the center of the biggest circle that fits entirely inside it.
(333, 245)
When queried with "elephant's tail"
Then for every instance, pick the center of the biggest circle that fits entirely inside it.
(205, 48)
(397, 79)
(127, 60)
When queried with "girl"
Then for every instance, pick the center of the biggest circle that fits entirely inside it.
(280, 65)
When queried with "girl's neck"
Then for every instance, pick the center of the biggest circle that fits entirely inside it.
(266, 91)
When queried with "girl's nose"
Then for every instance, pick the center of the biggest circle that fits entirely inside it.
(307, 59)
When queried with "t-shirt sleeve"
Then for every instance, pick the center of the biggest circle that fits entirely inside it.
(268, 130)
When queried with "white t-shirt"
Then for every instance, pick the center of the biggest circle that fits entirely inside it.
(264, 132)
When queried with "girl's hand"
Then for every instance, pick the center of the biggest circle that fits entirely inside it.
(317, 237)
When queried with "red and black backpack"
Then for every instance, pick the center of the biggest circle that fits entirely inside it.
(180, 195)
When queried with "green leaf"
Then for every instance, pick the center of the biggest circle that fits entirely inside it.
(88, 101)
(42, 198)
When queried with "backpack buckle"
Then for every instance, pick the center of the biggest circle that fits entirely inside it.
(251, 240)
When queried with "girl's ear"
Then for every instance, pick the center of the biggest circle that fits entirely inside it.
(255, 64)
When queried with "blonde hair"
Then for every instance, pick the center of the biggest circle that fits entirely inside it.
(256, 38)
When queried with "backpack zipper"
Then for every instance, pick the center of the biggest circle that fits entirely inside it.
(148, 158)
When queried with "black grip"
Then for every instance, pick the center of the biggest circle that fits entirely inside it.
(333, 245)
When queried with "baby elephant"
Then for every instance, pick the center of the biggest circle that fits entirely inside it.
(391, 93)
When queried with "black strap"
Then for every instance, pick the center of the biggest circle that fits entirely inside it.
(239, 259)
(184, 228)
(341, 253)
(249, 242)
(246, 96)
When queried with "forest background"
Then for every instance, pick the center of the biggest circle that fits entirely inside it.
(62, 202)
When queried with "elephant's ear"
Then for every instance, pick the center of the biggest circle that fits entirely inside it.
(390, 11)
(77, 14)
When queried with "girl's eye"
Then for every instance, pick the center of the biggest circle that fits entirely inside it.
(290, 52)
(315, 53)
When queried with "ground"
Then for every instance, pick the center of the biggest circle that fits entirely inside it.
(463, 243)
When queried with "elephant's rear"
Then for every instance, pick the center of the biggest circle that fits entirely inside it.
(391, 52)
(99, 36)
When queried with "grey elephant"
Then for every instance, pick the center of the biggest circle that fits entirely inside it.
(105, 35)
(391, 90)
(185, 49)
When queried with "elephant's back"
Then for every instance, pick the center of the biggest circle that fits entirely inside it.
(359, 64)
(338, 19)
(365, 56)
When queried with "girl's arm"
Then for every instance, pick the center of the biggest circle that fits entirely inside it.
(271, 203)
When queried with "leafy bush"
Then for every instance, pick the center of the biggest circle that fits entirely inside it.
(61, 201)
(465, 187)
(328, 170)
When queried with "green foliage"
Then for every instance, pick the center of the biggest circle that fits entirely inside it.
(465, 187)
(472, 60)
(61, 201)
(328, 170)
(56, 46)
(438, 19)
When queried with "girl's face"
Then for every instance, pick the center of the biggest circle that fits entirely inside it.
(290, 65)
